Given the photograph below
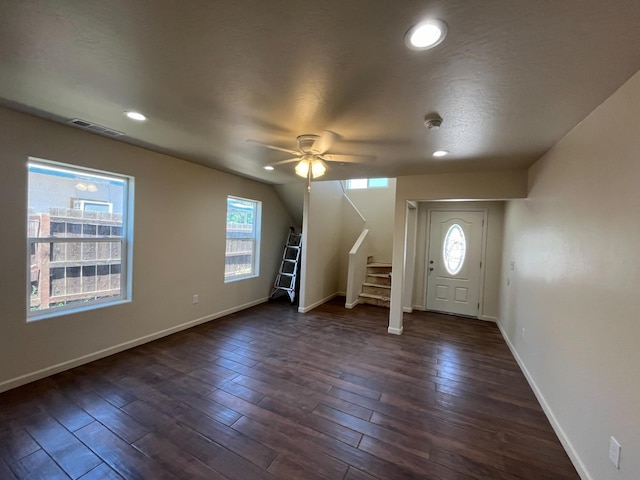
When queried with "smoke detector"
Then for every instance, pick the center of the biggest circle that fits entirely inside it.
(433, 121)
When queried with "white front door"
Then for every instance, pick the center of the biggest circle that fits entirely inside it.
(454, 261)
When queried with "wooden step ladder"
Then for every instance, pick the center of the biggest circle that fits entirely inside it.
(288, 272)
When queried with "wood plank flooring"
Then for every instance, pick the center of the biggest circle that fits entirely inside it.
(269, 393)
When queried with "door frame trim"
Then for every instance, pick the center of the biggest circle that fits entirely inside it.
(483, 254)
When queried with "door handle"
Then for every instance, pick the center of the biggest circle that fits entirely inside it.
(431, 269)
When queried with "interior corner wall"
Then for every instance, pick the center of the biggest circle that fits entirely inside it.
(179, 249)
(322, 244)
(571, 277)
(352, 227)
(292, 196)
(377, 206)
(492, 270)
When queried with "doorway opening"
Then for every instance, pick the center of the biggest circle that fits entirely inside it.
(454, 261)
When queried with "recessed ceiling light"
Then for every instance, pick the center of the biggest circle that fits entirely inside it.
(426, 34)
(440, 153)
(268, 167)
(135, 116)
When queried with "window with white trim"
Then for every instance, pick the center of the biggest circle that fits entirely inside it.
(454, 249)
(242, 253)
(360, 183)
(79, 238)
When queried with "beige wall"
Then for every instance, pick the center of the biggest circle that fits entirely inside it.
(292, 197)
(377, 206)
(180, 214)
(490, 301)
(572, 309)
(322, 247)
(463, 186)
(352, 227)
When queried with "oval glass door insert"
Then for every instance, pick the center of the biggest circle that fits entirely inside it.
(453, 249)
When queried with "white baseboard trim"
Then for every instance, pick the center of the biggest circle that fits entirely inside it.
(488, 318)
(76, 362)
(352, 305)
(407, 310)
(557, 428)
(395, 331)
(308, 308)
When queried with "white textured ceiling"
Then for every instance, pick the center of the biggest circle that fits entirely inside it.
(512, 77)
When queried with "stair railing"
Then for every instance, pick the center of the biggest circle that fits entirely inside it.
(346, 195)
(357, 273)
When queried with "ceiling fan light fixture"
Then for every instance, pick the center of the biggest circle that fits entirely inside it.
(269, 168)
(440, 153)
(306, 142)
(318, 168)
(302, 168)
(426, 34)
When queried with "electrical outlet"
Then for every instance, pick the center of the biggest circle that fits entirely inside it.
(614, 452)
(196, 299)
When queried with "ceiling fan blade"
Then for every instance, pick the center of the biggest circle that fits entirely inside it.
(273, 147)
(347, 158)
(324, 142)
(283, 162)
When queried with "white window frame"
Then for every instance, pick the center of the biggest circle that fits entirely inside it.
(126, 245)
(349, 184)
(255, 240)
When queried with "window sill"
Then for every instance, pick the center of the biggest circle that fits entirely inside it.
(237, 279)
(36, 317)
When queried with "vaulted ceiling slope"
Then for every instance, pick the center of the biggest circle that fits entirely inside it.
(510, 79)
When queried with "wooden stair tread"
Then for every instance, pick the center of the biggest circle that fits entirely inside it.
(376, 285)
(372, 295)
(380, 275)
(379, 265)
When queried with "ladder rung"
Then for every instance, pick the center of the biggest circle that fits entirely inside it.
(287, 275)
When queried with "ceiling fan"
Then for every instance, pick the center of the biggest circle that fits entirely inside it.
(311, 156)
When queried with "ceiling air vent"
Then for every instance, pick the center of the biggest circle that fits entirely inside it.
(93, 127)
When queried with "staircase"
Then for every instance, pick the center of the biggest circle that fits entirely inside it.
(377, 288)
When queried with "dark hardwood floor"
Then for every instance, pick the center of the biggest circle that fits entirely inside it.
(269, 393)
